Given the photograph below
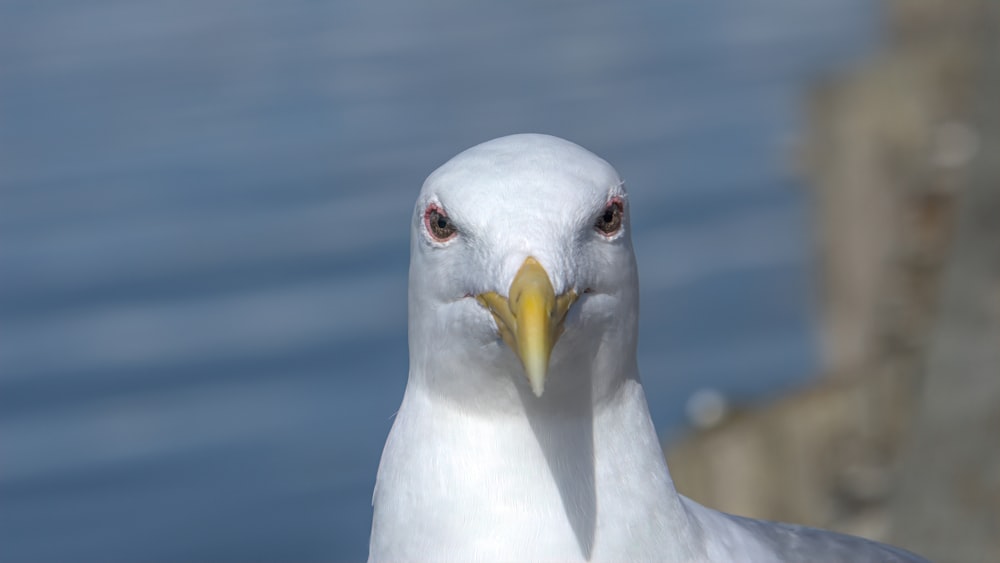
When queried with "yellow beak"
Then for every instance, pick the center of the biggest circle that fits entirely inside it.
(530, 319)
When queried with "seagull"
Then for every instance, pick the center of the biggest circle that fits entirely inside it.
(524, 432)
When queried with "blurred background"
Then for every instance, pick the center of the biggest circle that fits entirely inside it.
(204, 212)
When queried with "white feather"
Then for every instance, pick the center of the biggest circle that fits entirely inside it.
(477, 468)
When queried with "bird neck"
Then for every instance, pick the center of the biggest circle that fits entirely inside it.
(574, 482)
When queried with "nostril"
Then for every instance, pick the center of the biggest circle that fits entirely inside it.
(588, 290)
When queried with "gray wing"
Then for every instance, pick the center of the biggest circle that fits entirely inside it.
(800, 543)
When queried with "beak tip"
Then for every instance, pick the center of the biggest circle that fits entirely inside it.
(537, 387)
(536, 367)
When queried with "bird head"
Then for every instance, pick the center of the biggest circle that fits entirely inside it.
(522, 273)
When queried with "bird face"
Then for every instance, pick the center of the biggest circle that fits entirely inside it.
(517, 244)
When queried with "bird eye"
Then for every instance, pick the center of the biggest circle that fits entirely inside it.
(610, 221)
(438, 224)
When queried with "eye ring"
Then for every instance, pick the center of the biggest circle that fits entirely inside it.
(438, 225)
(609, 222)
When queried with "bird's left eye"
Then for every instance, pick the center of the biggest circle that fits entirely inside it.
(610, 221)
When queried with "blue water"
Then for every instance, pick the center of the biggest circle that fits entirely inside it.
(204, 220)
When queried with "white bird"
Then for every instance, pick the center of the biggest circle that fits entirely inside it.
(524, 433)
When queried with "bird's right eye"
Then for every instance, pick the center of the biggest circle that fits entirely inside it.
(438, 225)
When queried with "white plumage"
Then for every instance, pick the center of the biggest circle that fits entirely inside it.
(500, 452)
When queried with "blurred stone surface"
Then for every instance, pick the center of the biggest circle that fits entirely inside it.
(900, 439)
(948, 498)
